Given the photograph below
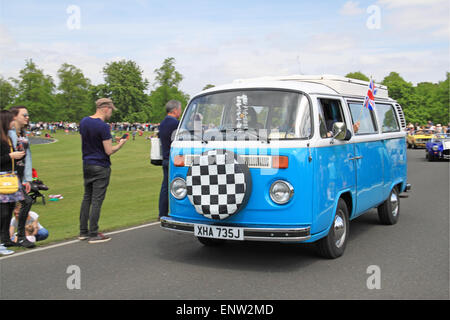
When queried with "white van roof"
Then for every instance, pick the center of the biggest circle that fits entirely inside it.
(340, 85)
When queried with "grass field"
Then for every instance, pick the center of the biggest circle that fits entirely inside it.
(131, 199)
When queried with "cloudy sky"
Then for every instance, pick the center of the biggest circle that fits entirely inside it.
(219, 41)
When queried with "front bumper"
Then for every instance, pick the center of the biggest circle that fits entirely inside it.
(253, 234)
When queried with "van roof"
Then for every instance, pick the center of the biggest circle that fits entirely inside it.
(324, 84)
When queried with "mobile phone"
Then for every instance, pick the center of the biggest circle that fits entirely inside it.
(22, 145)
(125, 136)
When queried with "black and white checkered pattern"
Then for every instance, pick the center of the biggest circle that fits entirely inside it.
(217, 184)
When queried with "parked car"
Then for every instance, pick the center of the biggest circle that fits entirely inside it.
(438, 147)
(280, 160)
(419, 138)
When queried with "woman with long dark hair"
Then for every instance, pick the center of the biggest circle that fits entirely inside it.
(24, 169)
(7, 201)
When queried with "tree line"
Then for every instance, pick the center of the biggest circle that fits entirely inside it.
(74, 97)
(421, 103)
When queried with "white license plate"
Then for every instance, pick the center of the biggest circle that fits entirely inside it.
(218, 232)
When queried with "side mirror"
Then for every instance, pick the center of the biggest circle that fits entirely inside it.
(339, 131)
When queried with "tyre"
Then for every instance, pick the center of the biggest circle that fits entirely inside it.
(209, 242)
(389, 211)
(333, 245)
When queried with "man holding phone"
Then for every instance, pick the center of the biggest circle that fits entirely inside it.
(96, 148)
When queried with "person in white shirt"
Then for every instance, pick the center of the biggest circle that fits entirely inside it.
(40, 233)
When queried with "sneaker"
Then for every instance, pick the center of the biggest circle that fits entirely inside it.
(24, 242)
(83, 237)
(9, 243)
(99, 238)
(4, 251)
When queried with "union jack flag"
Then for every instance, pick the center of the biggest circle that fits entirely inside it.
(369, 101)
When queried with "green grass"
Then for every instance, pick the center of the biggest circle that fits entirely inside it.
(131, 199)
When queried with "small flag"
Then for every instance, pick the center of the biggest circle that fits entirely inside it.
(369, 101)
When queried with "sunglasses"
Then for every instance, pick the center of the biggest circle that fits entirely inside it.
(26, 115)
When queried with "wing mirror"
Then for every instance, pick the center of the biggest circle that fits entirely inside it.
(339, 131)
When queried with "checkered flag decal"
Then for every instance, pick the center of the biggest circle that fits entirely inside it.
(218, 184)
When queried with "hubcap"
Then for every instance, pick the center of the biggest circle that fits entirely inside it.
(339, 229)
(394, 203)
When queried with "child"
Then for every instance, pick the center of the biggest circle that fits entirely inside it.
(38, 232)
(30, 233)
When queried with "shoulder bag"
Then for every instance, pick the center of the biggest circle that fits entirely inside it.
(9, 182)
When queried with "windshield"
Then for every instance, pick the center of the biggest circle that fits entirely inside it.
(247, 115)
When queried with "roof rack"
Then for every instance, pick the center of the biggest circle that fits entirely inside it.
(342, 85)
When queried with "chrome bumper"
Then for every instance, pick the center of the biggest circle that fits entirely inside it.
(253, 234)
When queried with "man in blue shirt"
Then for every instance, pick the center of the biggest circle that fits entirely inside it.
(166, 134)
(96, 148)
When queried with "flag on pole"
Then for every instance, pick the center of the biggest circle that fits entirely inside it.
(369, 101)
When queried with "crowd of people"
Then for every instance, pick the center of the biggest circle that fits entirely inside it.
(53, 127)
(427, 128)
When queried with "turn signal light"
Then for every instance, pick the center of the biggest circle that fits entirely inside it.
(280, 162)
(178, 161)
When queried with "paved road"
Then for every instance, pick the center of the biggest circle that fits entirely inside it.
(149, 263)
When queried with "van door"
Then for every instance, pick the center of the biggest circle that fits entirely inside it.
(368, 157)
(334, 173)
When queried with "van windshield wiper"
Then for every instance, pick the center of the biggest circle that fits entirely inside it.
(245, 130)
(194, 134)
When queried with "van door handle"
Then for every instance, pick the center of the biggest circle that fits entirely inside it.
(355, 158)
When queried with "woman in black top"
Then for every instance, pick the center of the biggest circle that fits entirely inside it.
(7, 155)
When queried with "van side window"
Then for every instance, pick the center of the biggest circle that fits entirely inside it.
(364, 116)
(388, 120)
(329, 113)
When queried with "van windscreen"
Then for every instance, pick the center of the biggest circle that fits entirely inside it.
(247, 115)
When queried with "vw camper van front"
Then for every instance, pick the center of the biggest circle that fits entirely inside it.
(246, 164)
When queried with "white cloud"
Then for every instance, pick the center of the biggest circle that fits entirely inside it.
(351, 8)
(410, 3)
(431, 17)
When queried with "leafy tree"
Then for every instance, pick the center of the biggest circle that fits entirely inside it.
(7, 93)
(167, 75)
(208, 86)
(357, 75)
(126, 86)
(168, 79)
(426, 101)
(74, 98)
(36, 92)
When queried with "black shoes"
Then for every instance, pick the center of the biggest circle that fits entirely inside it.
(23, 242)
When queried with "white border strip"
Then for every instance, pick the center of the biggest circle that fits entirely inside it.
(73, 241)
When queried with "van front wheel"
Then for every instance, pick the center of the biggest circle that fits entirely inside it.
(389, 211)
(333, 245)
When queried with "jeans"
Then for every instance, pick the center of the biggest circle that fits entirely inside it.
(96, 180)
(42, 234)
(164, 193)
(26, 203)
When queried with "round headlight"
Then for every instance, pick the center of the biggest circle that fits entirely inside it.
(281, 192)
(435, 148)
(178, 188)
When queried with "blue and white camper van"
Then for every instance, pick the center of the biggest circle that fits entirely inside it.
(281, 159)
